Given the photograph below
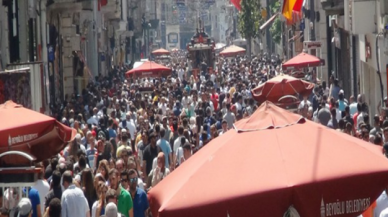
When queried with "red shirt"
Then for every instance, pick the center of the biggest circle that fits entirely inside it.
(355, 120)
(214, 98)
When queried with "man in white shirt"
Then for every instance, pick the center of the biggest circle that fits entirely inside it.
(238, 104)
(42, 186)
(177, 144)
(381, 205)
(128, 124)
(93, 119)
(73, 200)
(181, 72)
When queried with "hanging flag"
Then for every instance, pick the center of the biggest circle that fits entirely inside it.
(104, 2)
(289, 6)
(298, 5)
(237, 4)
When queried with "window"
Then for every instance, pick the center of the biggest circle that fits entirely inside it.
(173, 38)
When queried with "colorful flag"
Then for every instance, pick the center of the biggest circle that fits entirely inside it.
(289, 6)
(237, 4)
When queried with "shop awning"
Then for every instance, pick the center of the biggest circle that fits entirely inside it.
(269, 21)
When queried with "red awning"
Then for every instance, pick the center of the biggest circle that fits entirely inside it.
(232, 50)
(280, 86)
(161, 51)
(149, 69)
(302, 60)
(31, 132)
(271, 161)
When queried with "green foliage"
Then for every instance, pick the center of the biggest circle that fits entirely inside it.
(249, 18)
(276, 27)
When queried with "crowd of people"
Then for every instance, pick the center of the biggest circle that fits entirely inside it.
(132, 133)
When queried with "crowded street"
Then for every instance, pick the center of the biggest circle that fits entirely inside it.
(120, 109)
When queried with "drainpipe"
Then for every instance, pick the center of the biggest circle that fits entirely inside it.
(378, 65)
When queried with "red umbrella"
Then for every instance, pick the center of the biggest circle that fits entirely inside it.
(149, 69)
(271, 161)
(280, 86)
(31, 132)
(161, 51)
(302, 60)
(232, 51)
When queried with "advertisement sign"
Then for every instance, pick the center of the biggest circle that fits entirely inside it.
(312, 44)
(173, 37)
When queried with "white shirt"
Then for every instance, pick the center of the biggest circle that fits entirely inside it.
(163, 107)
(180, 74)
(338, 115)
(93, 120)
(360, 118)
(179, 155)
(43, 188)
(303, 103)
(381, 204)
(74, 202)
(94, 208)
(186, 101)
(384, 213)
(212, 77)
(131, 129)
(238, 106)
(177, 143)
(353, 108)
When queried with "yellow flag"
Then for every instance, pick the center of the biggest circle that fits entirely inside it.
(264, 14)
(288, 8)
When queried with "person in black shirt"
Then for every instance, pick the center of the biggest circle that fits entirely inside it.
(150, 152)
(56, 189)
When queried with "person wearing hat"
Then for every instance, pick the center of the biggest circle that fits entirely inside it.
(111, 211)
(23, 209)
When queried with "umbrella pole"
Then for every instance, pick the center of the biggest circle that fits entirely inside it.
(269, 91)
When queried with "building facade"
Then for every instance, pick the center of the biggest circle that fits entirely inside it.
(74, 40)
(359, 47)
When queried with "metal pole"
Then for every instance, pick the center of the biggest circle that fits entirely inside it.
(94, 49)
(312, 20)
(267, 33)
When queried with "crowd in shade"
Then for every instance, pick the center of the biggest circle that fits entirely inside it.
(133, 132)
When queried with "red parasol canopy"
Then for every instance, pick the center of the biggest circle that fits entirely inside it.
(161, 51)
(271, 161)
(31, 132)
(302, 60)
(149, 69)
(232, 50)
(280, 86)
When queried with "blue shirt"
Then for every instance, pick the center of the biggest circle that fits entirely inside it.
(341, 105)
(140, 203)
(166, 148)
(112, 133)
(33, 195)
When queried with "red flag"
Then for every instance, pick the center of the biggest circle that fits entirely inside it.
(298, 5)
(237, 4)
(291, 6)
